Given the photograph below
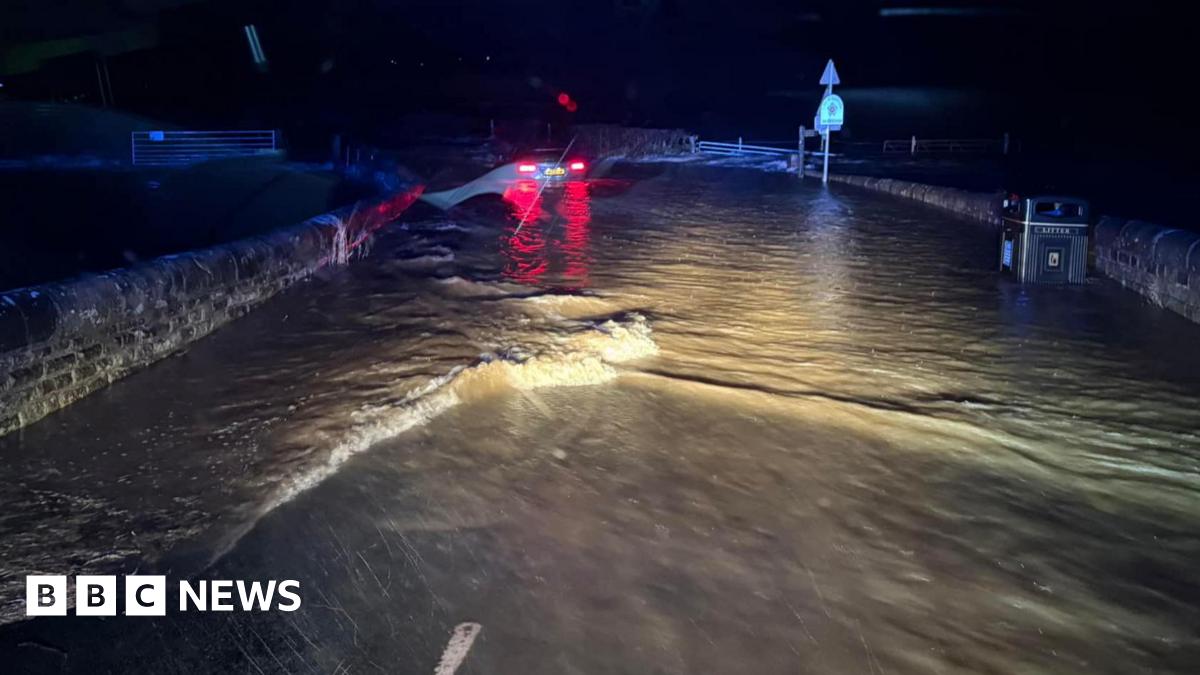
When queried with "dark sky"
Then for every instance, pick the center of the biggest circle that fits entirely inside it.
(1076, 73)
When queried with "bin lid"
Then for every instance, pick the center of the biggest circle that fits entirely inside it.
(1056, 209)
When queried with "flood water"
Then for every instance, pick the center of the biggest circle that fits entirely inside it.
(684, 419)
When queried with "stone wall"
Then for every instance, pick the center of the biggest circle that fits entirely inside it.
(60, 342)
(606, 140)
(1160, 263)
(979, 206)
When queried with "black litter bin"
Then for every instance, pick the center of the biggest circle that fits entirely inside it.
(1044, 240)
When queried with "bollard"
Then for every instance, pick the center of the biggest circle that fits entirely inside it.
(800, 153)
(913, 150)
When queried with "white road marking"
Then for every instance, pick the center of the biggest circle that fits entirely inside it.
(456, 652)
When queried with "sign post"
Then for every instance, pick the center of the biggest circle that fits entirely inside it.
(825, 164)
(830, 115)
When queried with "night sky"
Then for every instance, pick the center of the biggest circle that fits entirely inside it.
(1072, 77)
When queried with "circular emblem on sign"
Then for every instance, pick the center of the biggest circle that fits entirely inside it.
(832, 112)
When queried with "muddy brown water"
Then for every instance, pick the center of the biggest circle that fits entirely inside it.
(710, 420)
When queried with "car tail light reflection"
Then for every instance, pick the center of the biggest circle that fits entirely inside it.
(526, 168)
(578, 166)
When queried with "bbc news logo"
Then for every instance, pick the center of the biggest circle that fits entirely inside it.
(96, 595)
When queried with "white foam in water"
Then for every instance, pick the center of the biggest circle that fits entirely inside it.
(457, 285)
(584, 356)
(566, 306)
(660, 159)
(769, 164)
(432, 258)
(445, 226)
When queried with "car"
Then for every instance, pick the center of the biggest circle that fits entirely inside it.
(531, 172)
(553, 165)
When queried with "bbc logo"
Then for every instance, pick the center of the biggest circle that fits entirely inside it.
(147, 595)
(95, 595)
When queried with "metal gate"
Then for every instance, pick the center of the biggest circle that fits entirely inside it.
(739, 148)
(175, 148)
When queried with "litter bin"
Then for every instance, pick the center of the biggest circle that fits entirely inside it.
(1044, 239)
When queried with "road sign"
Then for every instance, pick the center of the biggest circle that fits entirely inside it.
(830, 76)
(831, 113)
(822, 128)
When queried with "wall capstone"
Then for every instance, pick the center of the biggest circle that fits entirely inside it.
(60, 342)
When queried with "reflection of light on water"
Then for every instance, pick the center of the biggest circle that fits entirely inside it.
(576, 207)
(542, 244)
(828, 255)
(524, 243)
(524, 199)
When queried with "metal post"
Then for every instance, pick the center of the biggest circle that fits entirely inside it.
(1006, 142)
(739, 145)
(692, 141)
(825, 170)
(492, 128)
(800, 153)
(913, 148)
(549, 136)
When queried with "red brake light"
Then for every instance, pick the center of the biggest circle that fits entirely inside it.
(526, 168)
(578, 166)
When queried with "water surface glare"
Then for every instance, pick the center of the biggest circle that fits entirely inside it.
(684, 420)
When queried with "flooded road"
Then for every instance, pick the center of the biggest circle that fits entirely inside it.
(680, 420)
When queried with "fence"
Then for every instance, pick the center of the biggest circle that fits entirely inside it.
(740, 148)
(175, 148)
(946, 146)
(759, 147)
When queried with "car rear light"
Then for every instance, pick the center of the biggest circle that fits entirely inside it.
(578, 166)
(526, 168)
